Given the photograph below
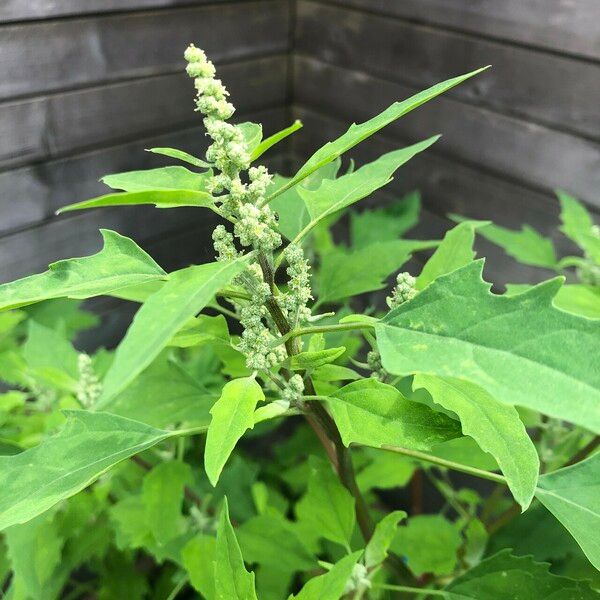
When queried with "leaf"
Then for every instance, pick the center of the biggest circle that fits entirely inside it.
(358, 133)
(162, 494)
(575, 298)
(515, 577)
(164, 395)
(455, 250)
(198, 557)
(180, 155)
(373, 413)
(578, 225)
(252, 133)
(261, 148)
(385, 470)
(327, 507)
(384, 224)
(312, 360)
(271, 541)
(289, 206)
(332, 584)
(348, 273)
(377, 547)
(520, 349)
(184, 294)
(232, 415)
(232, 581)
(64, 464)
(496, 427)
(166, 187)
(335, 194)
(430, 544)
(201, 329)
(119, 264)
(572, 495)
(527, 245)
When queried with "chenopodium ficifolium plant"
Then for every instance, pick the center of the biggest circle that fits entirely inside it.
(308, 417)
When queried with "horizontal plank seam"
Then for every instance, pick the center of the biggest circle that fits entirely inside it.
(483, 106)
(466, 33)
(133, 11)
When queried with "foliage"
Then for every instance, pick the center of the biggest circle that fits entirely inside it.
(312, 421)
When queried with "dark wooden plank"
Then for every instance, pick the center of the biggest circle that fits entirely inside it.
(30, 251)
(557, 91)
(534, 155)
(446, 187)
(51, 126)
(49, 56)
(570, 27)
(20, 10)
(32, 194)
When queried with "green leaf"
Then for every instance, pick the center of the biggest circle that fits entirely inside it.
(180, 155)
(572, 495)
(202, 329)
(348, 273)
(496, 427)
(430, 544)
(327, 507)
(520, 349)
(184, 294)
(455, 251)
(335, 194)
(578, 225)
(87, 446)
(232, 581)
(119, 264)
(373, 413)
(162, 494)
(198, 557)
(270, 540)
(332, 584)
(232, 415)
(575, 298)
(289, 206)
(252, 133)
(164, 395)
(312, 360)
(377, 548)
(384, 224)
(515, 577)
(358, 133)
(261, 148)
(527, 245)
(385, 470)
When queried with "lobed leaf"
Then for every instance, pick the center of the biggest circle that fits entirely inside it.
(377, 547)
(181, 155)
(88, 445)
(520, 349)
(496, 428)
(359, 133)
(184, 294)
(577, 224)
(232, 415)
(373, 413)
(120, 263)
(232, 581)
(572, 495)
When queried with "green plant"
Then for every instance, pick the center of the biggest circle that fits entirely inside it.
(309, 417)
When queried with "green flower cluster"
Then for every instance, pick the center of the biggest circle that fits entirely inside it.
(403, 291)
(240, 190)
(89, 387)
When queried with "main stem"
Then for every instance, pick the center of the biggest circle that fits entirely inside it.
(326, 429)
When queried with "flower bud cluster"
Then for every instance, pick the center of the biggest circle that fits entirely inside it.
(294, 302)
(257, 341)
(404, 290)
(374, 362)
(223, 243)
(294, 388)
(89, 387)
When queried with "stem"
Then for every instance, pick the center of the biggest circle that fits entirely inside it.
(449, 464)
(583, 453)
(234, 294)
(294, 333)
(413, 590)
